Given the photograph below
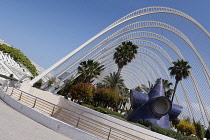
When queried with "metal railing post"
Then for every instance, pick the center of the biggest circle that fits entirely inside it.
(78, 122)
(53, 110)
(34, 103)
(20, 96)
(109, 133)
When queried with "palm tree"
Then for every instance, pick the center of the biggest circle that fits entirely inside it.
(113, 81)
(124, 54)
(146, 89)
(139, 89)
(50, 82)
(100, 85)
(89, 69)
(168, 93)
(180, 70)
(124, 97)
(167, 89)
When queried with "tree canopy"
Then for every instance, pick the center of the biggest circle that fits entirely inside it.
(124, 54)
(90, 69)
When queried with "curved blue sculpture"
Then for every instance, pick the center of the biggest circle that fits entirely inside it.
(154, 107)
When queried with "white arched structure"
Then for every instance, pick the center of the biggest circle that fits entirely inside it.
(163, 35)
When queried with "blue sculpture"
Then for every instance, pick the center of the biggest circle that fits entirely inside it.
(154, 107)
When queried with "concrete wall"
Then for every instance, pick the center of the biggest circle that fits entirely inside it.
(99, 117)
(47, 121)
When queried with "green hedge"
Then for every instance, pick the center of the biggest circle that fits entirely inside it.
(172, 134)
(189, 138)
(7, 77)
(144, 122)
(88, 106)
(18, 56)
(108, 111)
(138, 124)
(105, 111)
(167, 132)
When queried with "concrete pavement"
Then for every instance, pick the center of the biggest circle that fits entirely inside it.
(15, 126)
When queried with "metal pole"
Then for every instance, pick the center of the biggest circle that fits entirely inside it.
(20, 96)
(53, 110)
(78, 122)
(34, 103)
(109, 133)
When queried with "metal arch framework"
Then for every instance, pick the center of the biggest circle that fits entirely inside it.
(145, 24)
(112, 53)
(150, 63)
(147, 52)
(145, 34)
(140, 12)
(162, 38)
(145, 68)
(102, 52)
(111, 66)
(150, 45)
(130, 70)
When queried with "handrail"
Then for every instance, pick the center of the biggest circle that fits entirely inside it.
(109, 134)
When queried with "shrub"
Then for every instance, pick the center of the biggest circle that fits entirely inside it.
(199, 130)
(88, 106)
(82, 92)
(38, 84)
(166, 132)
(108, 111)
(186, 128)
(172, 134)
(145, 122)
(175, 122)
(106, 98)
(189, 138)
(129, 111)
(207, 135)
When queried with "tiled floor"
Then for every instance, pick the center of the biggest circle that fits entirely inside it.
(15, 126)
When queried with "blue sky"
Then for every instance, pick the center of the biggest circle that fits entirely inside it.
(47, 30)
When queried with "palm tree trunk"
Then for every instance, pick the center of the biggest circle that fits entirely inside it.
(174, 90)
(118, 71)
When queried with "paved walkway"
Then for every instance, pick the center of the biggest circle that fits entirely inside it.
(15, 126)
